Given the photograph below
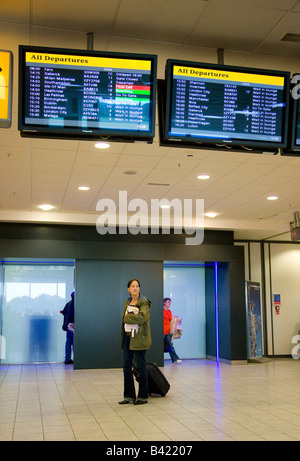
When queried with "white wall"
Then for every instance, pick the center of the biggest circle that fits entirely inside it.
(282, 276)
(284, 260)
(184, 283)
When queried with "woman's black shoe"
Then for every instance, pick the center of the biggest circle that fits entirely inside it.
(140, 402)
(124, 402)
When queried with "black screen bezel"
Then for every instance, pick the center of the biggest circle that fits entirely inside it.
(44, 131)
(211, 142)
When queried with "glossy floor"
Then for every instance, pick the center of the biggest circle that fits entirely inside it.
(207, 401)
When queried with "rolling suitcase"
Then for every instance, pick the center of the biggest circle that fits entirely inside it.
(157, 382)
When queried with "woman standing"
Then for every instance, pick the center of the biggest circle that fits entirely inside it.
(136, 339)
(167, 335)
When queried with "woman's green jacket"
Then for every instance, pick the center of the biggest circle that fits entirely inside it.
(142, 339)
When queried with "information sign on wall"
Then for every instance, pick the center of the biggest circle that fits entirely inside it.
(277, 303)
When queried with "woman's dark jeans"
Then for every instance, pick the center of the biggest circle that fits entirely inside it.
(140, 362)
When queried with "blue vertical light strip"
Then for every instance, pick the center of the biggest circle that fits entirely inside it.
(217, 311)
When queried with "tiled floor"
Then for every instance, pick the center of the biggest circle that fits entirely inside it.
(206, 401)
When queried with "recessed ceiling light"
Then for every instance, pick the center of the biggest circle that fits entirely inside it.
(83, 188)
(46, 207)
(102, 145)
(158, 184)
(165, 206)
(272, 197)
(210, 214)
(203, 176)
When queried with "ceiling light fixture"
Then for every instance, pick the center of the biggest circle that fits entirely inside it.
(203, 176)
(102, 145)
(83, 188)
(210, 214)
(46, 207)
(130, 172)
(290, 37)
(158, 184)
(272, 197)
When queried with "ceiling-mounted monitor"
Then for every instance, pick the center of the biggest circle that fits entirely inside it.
(6, 83)
(219, 106)
(77, 94)
(294, 124)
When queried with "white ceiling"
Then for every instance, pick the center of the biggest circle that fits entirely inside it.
(35, 171)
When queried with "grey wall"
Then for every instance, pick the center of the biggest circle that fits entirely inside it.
(101, 289)
(224, 312)
(104, 264)
(210, 311)
(231, 312)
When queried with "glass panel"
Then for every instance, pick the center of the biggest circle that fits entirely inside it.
(184, 283)
(33, 296)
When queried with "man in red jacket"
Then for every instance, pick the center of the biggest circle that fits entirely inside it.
(167, 335)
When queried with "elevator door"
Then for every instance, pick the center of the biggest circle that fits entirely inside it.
(33, 294)
(184, 283)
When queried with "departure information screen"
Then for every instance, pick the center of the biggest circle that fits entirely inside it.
(87, 92)
(225, 105)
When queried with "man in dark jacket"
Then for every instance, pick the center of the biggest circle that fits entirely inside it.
(68, 313)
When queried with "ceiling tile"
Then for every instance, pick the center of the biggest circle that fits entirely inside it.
(96, 159)
(173, 23)
(230, 24)
(87, 16)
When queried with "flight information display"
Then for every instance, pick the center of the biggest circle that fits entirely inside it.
(86, 92)
(297, 126)
(226, 104)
